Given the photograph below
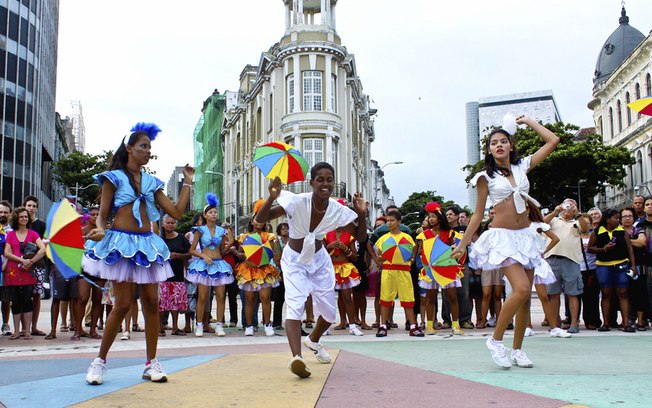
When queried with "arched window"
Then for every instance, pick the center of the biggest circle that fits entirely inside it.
(637, 92)
(290, 93)
(619, 115)
(648, 85)
(611, 122)
(629, 111)
(638, 178)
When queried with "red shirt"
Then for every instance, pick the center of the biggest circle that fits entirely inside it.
(14, 275)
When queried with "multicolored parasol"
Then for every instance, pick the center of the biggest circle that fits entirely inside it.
(257, 249)
(65, 242)
(437, 255)
(396, 252)
(281, 160)
(643, 106)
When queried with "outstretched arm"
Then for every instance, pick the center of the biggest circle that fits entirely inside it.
(176, 210)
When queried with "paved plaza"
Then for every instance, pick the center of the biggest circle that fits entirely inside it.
(591, 369)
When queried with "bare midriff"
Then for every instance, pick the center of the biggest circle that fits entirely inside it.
(507, 217)
(297, 244)
(124, 219)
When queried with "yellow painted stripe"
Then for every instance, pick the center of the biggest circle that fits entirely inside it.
(240, 380)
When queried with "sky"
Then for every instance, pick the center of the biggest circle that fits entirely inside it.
(420, 61)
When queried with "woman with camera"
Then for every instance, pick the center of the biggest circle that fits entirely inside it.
(615, 264)
(23, 250)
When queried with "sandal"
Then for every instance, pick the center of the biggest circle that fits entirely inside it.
(37, 333)
(75, 337)
(28, 337)
(50, 337)
(382, 332)
(136, 328)
(63, 329)
(161, 333)
(480, 325)
(604, 328)
(340, 326)
(375, 325)
(178, 332)
(365, 326)
(14, 336)
(83, 334)
(95, 336)
(309, 324)
(641, 327)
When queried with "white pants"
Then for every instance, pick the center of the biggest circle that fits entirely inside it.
(316, 279)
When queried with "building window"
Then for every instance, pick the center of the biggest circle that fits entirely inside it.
(639, 165)
(637, 92)
(611, 122)
(648, 85)
(312, 91)
(290, 93)
(333, 96)
(629, 111)
(313, 150)
(619, 115)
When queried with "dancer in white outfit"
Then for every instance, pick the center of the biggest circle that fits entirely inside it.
(510, 244)
(307, 267)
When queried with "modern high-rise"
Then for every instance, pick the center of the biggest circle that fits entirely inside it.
(28, 62)
(78, 128)
(487, 113)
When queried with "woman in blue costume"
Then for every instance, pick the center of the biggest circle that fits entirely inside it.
(209, 269)
(129, 253)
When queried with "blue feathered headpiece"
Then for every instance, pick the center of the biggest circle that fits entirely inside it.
(151, 129)
(212, 201)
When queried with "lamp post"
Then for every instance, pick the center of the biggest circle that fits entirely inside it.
(235, 195)
(374, 190)
(77, 188)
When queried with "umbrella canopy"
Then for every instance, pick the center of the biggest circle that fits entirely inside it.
(437, 255)
(257, 249)
(66, 244)
(281, 160)
(643, 106)
(396, 252)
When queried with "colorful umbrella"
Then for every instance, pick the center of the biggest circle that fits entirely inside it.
(396, 252)
(281, 160)
(437, 255)
(257, 249)
(643, 106)
(66, 244)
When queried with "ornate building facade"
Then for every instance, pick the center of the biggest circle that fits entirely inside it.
(623, 74)
(305, 91)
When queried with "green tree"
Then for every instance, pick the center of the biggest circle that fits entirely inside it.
(184, 224)
(412, 208)
(588, 163)
(77, 170)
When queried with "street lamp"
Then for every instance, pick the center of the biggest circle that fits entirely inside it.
(77, 188)
(235, 195)
(579, 193)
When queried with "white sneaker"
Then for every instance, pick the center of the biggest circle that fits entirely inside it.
(199, 330)
(354, 330)
(520, 359)
(95, 372)
(249, 331)
(529, 332)
(154, 372)
(125, 335)
(560, 333)
(219, 330)
(6, 330)
(298, 367)
(269, 330)
(498, 353)
(491, 322)
(320, 352)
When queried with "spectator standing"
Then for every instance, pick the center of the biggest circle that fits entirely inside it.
(638, 290)
(41, 269)
(453, 215)
(173, 295)
(5, 292)
(591, 293)
(638, 204)
(646, 225)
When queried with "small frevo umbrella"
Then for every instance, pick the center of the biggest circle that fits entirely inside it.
(281, 160)
(437, 255)
(642, 106)
(65, 246)
(257, 249)
(396, 252)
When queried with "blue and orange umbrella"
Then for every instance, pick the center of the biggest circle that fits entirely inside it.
(281, 160)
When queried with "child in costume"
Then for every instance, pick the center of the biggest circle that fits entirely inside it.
(439, 230)
(510, 243)
(129, 253)
(307, 268)
(256, 273)
(341, 247)
(209, 270)
(397, 250)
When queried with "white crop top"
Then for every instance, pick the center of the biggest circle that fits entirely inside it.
(298, 208)
(500, 188)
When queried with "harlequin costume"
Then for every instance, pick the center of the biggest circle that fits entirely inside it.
(219, 272)
(128, 256)
(346, 274)
(250, 275)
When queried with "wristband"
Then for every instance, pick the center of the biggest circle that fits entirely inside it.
(188, 185)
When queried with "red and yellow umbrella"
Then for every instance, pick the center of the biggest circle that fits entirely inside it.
(396, 252)
(281, 160)
(642, 106)
(65, 242)
(257, 249)
(436, 253)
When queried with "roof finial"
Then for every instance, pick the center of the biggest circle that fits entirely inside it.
(623, 14)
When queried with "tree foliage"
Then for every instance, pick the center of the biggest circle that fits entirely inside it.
(589, 163)
(77, 169)
(184, 224)
(412, 209)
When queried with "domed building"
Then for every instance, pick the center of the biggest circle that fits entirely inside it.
(622, 75)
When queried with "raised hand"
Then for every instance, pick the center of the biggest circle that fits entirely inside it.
(360, 204)
(188, 173)
(275, 188)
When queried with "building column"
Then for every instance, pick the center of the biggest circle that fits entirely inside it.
(288, 17)
(328, 79)
(333, 19)
(298, 84)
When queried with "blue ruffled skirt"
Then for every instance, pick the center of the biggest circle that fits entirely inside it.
(217, 274)
(126, 256)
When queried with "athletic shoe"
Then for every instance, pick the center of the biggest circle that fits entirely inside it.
(95, 372)
(125, 336)
(573, 329)
(457, 331)
(520, 359)
(430, 331)
(320, 352)
(416, 332)
(6, 330)
(269, 330)
(529, 332)
(354, 330)
(219, 330)
(491, 322)
(298, 367)
(468, 325)
(498, 353)
(559, 333)
(249, 331)
(199, 330)
(154, 372)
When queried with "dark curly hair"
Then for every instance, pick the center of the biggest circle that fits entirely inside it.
(490, 165)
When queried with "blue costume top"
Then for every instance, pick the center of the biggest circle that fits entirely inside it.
(206, 241)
